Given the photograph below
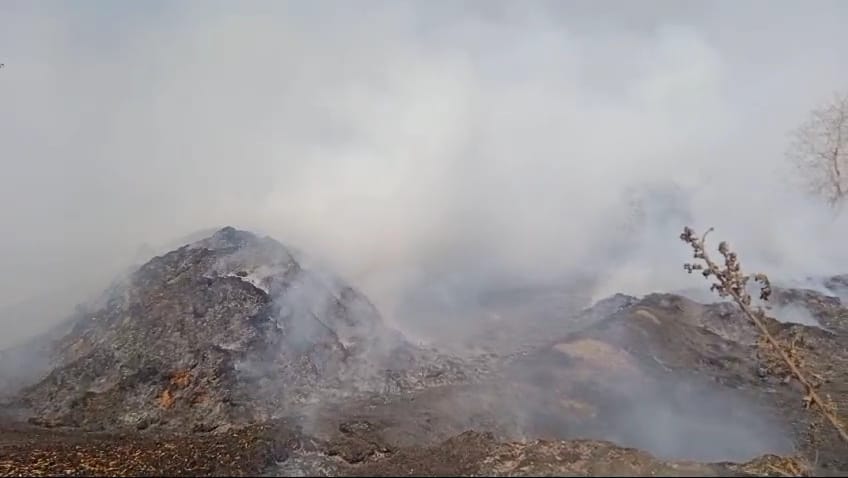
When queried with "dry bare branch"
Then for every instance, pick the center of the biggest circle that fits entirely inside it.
(730, 281)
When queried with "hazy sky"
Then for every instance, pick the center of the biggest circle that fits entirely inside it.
(402, 140)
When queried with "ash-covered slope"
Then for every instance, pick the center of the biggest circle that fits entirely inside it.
(227, 330)
(234, 329)
(681, 379)
(663, 374)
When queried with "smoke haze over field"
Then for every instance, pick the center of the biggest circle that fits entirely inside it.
(465, 143)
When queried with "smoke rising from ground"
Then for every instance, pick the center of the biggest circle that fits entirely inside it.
(409, 144)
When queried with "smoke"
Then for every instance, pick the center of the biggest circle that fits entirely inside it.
(684, 420)
(429, 152)
(796, 314)
(411, 144)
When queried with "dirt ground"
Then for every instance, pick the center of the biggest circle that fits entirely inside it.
(30, 451)
(280, 451)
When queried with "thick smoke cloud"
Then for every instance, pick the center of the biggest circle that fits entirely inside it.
(410, 143)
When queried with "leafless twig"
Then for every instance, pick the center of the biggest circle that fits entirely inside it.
(730, 281)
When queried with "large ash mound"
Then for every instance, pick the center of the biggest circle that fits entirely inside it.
(224, 331)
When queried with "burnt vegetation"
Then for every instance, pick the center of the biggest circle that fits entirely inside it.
(779, 357)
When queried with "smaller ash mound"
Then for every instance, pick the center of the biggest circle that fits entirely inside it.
(682, 379)
(229, 330)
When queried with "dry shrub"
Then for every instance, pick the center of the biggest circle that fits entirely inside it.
(778, 358)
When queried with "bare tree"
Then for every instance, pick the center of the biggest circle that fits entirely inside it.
(820, 151)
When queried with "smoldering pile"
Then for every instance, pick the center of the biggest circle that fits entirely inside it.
(228, 330)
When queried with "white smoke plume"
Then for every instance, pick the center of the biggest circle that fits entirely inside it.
(407, 144)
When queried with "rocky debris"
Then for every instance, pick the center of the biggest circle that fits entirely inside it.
(229, 330)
